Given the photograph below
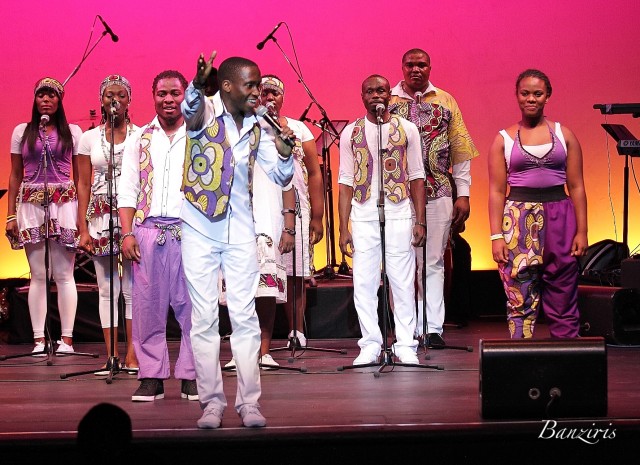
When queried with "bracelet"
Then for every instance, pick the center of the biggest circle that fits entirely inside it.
(424, 225)
(288, 210)
(290, 231)
(124, 236)
(496, 237)
(11, 218)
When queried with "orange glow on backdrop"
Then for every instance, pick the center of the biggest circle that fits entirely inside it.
(589, 50)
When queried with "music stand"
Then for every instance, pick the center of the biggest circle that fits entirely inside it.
(620, 133)
(323, 145)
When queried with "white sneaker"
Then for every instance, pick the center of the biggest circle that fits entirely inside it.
(231, 365)
(268, 363)
(38, 350)
(301, 339)
(365, 358)
(211, 417)
(406, 355)
(251, 416)
(64, 348)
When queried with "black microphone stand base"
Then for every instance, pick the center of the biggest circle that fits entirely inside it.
(294, 345)
(424, 342)
(386, 360)
(113, 367)
(49, 353)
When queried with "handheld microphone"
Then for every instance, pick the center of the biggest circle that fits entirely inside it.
(107, 29)
(380, 109)
(260, 45)
(303, 117)
(271, 108)
(44, 120)
(262, 111)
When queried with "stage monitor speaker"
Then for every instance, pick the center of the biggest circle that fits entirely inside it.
(543, 378)
(630, 273)
(610, 312)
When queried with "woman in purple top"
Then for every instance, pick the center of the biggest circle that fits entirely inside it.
(537, 230)
(42, 154)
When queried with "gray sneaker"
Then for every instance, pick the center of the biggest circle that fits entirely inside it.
(211, 417)
(251, 416)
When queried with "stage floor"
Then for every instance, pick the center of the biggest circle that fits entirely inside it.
(323, 415)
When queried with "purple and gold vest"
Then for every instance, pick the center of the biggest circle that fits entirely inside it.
(394, 172)
(146, 176)
(209, 166)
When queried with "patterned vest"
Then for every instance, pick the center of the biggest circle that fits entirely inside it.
(394, 172)
(146, 175)
(209, 167)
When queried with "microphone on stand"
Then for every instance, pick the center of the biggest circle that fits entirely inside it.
(303, 116)
(418, 97)
(107, 29)
(380, 109)
(264, 112)
(44, 120)
(260, 45)
(115, 105)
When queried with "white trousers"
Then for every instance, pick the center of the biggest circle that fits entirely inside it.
(438, 226)
(202, 260)
(61, 264)
(102, 265)
(400, 267)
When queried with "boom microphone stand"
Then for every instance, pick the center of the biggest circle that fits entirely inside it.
(48, 344)
(294, 342)
(113, 365)
(386, 358)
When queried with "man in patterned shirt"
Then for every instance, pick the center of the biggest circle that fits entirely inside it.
(446, 147)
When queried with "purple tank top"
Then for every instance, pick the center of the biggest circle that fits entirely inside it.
(526, 170)
(58, 163)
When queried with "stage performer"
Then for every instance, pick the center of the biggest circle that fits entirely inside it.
(446, 146)
(44, 151)
(403, 182)
(537, 231)
(308, 229)
(225, 141)
(149, 195)
(95, 208)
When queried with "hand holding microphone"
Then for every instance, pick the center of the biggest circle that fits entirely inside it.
(284, 133)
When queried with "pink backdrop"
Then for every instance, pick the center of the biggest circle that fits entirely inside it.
(590, 49)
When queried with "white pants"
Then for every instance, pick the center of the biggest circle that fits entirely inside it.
(202, 260)
(438, 226)
(102, 266)
(400, 267)
(61, 262)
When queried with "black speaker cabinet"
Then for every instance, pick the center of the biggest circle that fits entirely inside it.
(543, 378)
(630, 273)
(610, 312)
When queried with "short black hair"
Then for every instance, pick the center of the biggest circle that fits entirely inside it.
(536, 73)
(415, 50)
(230, 68)
(169, 74)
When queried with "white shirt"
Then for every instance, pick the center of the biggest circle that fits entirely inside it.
(168, 160)
(237, 224)
(368, 210)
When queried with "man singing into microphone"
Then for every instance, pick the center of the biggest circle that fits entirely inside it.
(359, 189)
(225, 140)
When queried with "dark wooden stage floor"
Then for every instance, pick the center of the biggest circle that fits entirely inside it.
(321, 416)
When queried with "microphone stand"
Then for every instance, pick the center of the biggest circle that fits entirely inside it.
(113, 363)
(386, 357)
(48, 343)
(327, 127)
(294, 342)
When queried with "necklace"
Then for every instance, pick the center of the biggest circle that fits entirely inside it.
(538, 161)
(106, 151)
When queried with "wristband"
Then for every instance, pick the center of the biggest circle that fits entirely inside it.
(288, 210)
(124, 236)
(496, 237)
(11, 218)
(290, 231)
(424, 225)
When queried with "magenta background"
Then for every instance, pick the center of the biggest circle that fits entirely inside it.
(590, 49)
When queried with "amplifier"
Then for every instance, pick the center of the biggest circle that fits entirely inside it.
(630, 273)
(543, 378)
(610, 312)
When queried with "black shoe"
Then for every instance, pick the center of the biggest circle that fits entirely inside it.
(150, 389)
(189, 389)
(435, 341)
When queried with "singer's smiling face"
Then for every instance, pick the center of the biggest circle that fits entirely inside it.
(242, 93)
(416, 68)
(375, 90)
(118, 93)
(273, 96)
(47, 101)
(168, 95)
